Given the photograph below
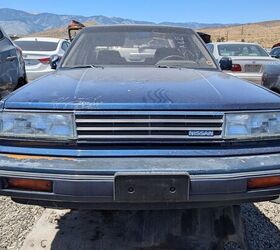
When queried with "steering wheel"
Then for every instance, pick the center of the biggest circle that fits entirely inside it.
(172, 57)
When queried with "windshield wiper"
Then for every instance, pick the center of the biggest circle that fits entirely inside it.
(88, 66)
(168, 66)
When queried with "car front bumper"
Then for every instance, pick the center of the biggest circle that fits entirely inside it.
(89, 183)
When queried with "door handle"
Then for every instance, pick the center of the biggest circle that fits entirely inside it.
(10, 58)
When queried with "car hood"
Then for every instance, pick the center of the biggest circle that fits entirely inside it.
(139, 89)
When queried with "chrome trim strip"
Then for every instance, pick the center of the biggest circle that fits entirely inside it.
(236, 175)
(18, 174)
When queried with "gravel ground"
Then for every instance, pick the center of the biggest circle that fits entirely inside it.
(262, 224)
(16, 221)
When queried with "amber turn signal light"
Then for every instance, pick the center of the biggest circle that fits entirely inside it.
(263, 182)
(30, 185)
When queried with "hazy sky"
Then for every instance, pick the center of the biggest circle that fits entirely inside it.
(209, 11)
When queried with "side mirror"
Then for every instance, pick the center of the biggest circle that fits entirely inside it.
(54, 61)
(226, 63)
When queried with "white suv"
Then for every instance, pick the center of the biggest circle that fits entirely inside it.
(39, 52)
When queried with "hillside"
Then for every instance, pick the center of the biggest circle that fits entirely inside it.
(58, 33)
(17, 22)
(264, 33)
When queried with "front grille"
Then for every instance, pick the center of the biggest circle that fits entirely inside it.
(112, 127)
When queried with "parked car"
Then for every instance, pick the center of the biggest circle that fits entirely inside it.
(271, 78)
(275, 52)
(248, 59)
(12, 68)
(39, 53)
(139, 117)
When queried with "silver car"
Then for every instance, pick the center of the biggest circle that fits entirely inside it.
(39, 53)
(248, 59)
(12, 68)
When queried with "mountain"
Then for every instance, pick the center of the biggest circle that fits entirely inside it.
(17, 22)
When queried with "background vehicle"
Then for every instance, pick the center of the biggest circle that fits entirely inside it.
(39, 53)
(275, 52)
(248, 59)
(12, 68)
(271, 78)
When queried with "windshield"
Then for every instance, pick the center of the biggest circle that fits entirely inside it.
(36, 45)
(241, 50)
(130, 47)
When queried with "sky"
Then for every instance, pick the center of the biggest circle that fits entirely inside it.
(203, 11)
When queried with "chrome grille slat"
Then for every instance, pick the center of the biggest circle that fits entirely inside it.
(161, 126)
(145, 128)
(147, 120)
(134, 137)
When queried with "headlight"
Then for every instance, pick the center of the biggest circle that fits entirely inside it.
(251, 125)
(37, 125)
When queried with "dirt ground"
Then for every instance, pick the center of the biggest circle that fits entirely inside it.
(30, 227)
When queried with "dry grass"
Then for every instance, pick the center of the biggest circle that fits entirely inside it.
(264, 33)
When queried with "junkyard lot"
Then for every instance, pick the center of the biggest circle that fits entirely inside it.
(66, 229)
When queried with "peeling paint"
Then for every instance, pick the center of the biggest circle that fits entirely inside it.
(32, 157)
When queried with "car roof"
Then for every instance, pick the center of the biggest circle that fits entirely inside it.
(40, 39)
(135, 27)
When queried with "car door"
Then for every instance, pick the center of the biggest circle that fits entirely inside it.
(9, 69)
(65, 45)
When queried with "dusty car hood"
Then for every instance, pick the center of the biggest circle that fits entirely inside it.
(141, 88)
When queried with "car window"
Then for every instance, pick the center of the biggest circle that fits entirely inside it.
(65, 46)
(136, 47)
(241, 50)
(210, 47)
(37, 45)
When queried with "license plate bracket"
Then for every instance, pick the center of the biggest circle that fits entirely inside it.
(152, 187)
(254, 68)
